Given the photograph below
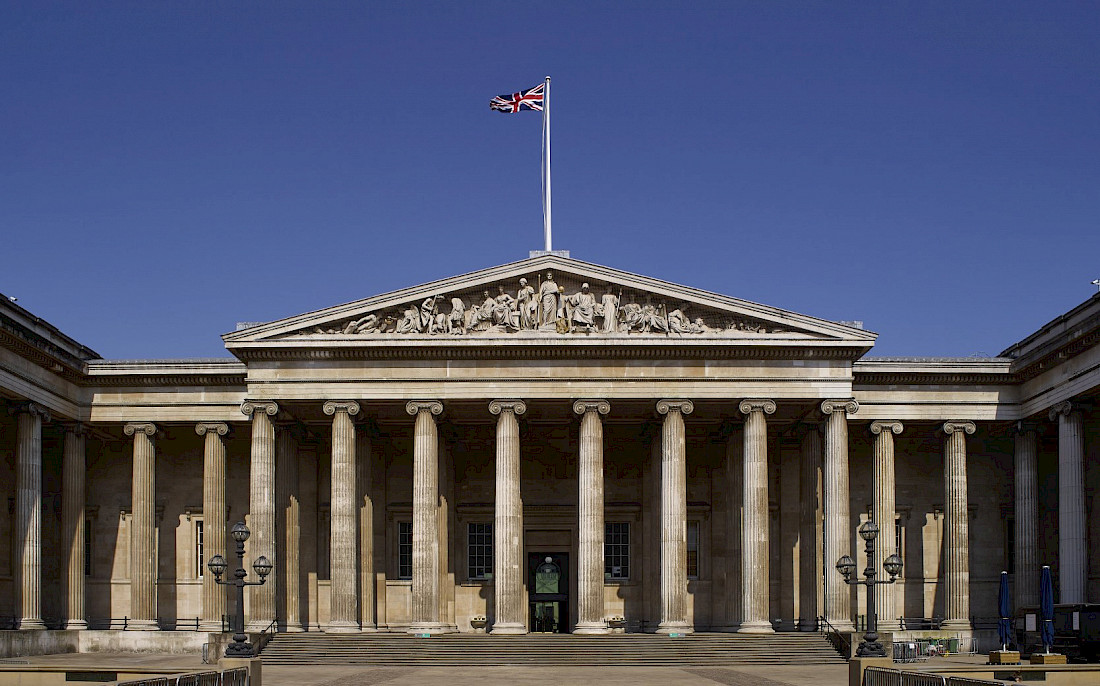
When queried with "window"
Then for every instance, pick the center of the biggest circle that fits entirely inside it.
(87, 547)
(616, 550)
(693, 550)
(1010, 544)
(404, 550)
(199, 559)
(479, 550)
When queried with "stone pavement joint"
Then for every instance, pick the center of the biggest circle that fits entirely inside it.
(732, 677)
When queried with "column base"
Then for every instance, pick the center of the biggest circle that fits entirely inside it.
(76, 625)
(844, 626)
(955, 625)
(341, 627)
(295, 628)
(756, 627)
(675, 628)
(211, 627)
(508, 629)
(369, 629)
(591, 628)
(427, 628)
(726, 628)
(142, 625)
(31, 624)
(807, 624)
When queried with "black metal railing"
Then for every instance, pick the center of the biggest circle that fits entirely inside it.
(840, 642)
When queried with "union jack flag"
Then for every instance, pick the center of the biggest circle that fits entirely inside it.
(525, 100)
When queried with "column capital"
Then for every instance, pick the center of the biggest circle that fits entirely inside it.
(514, 406)
(331, 407)
(78, 429)
(680, 405)
(31, 407)
(951, 426)
(147, 428)
(220, 428)
(886, 425)
(1062, 409)
(1023, 426)
(843, 405)
(415, 407)
(269, 407)
(591, 405)
(750, 405)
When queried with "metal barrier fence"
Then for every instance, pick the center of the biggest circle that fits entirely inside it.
(881, 676)
(921, 649)
(230, 677)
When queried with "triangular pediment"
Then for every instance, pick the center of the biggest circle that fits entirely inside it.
(547, 299)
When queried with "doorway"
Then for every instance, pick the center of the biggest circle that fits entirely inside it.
(548, 595)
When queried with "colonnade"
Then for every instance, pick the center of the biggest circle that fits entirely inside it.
(824, 493)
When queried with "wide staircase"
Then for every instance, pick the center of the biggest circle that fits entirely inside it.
(696, 650)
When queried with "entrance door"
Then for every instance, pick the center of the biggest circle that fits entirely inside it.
(548, 592)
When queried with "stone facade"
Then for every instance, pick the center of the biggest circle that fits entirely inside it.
(683, 460)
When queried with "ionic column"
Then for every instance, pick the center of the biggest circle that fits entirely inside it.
(425, 553)
(755, 580)
(508, 566)
(590, 562)
(261, 508)
(143, 542)
(1026, 583)
(674, 517)
(956, 527)
(72, 522)
(809, 537)
(1072, 523)
(883, 514)
(28, 515)
(344, 608)
(214, 603)
(289, 529)
(365, 503)
(838, 537)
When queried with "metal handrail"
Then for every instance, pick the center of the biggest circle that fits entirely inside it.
(830, 631)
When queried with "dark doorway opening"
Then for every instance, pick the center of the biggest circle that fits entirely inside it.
(548, 592)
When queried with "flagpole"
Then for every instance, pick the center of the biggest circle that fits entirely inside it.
(546, 163)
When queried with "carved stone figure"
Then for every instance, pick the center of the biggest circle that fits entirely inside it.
(632, 317)
(456, 320)
(428, 312)
(700, 326)
(548, 300)
(527, 305)
(484, 312)
(679, 323)
(367, 324)
(504, 311)
(410, 320)
(652, 319)
(609, 310)
(582, 309)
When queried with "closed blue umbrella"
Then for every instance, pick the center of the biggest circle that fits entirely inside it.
(1004, 626)
(1046, 608)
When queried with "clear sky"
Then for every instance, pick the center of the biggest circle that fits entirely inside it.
(169, 169)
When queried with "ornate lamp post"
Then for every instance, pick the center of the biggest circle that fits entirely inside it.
(240, 647)
(870, 647)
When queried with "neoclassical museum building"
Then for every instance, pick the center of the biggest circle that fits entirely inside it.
(545, 446)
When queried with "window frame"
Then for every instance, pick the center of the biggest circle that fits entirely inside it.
(616, 550)
(486, 554)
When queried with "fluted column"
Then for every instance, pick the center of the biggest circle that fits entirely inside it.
(674, 517)
(1026, 571)
(809, 537)
(261, 508)
(72, 522)
(214, 603)
(425, 553)
(956, 527)
(755, 580)
(883, 514)
(508, 566)
(590, 528)
(1072, 523)
(344, 608)
(365, 503)
(143, 543)
(838, 536)
(288, 527)
(28, 515)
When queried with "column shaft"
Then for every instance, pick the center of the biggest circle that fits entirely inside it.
(214, 598)
(590, 522)
(143, 544)
(838, 536)
(1072, 520)
(365, 501)
(425, 553)
(884, 515)
(28, 516)
(261, 509)
(72, 519)
(343, 543)
(508, 568)
(1025, 568)
(809, 538)
(289, 530)
(755, 579)
(956, 528)
(674, 517)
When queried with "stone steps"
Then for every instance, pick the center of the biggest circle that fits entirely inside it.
(549, 650)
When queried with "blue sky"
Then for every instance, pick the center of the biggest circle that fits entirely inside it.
(169, 169)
